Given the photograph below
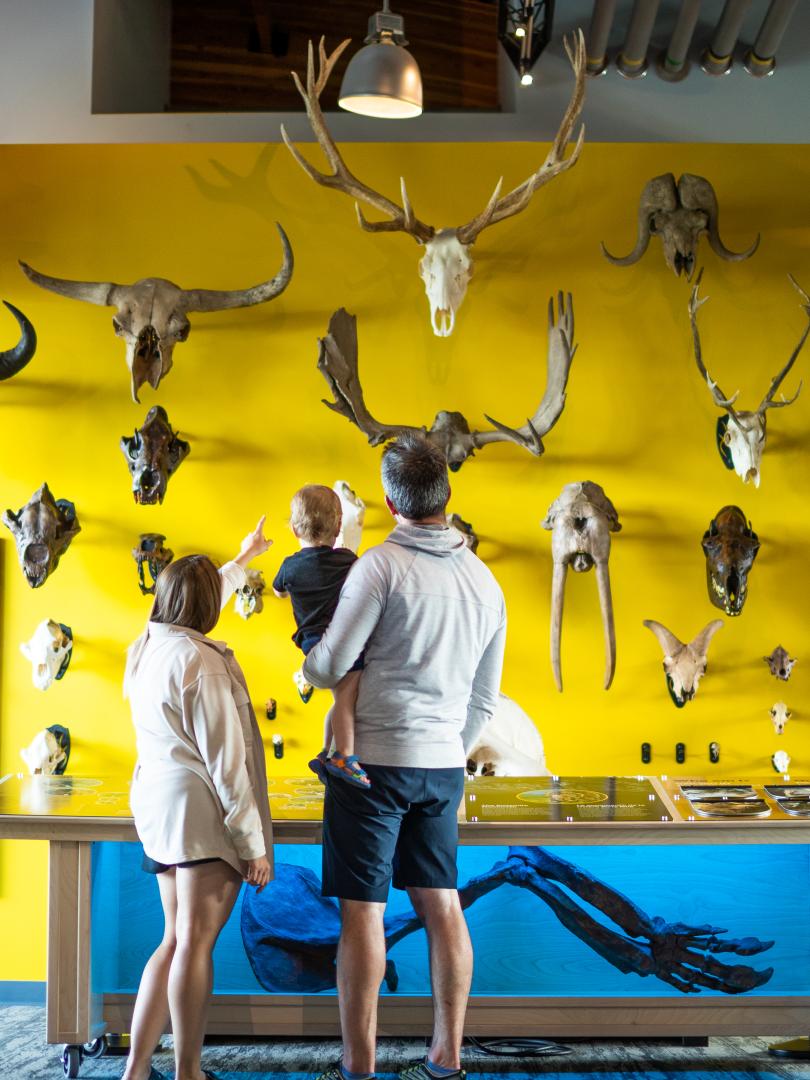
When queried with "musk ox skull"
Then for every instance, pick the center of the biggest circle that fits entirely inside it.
(14, 360)
(151, 557)
(581, 520)
(249, 600)
(678, 213)
(42, 531)
(49, 650)
(780, 714)
(509, 745)
(353, 516)
(152, 314)
(48, 752)
(780, 662)
(684, 665)
(446, 266)
(730, 546)
(153, 454)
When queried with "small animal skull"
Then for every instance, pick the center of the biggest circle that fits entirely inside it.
(684, 665)
(151, 557)
(730, 546)
(49, 650)
(153, 454)
(42, 531)
(471, 538)
(48, 752)
(780, 714)
(781, 761)
(353, 516)
(780, 663)
(249, 599)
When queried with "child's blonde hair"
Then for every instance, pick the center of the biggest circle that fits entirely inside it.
(316, 514)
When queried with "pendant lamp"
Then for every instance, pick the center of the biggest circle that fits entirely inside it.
(382, 78)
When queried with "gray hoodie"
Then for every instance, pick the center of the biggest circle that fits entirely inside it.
(432, 620)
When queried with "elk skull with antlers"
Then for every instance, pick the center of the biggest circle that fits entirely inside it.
(684, 664)
(152, 314)
(446, 266)
(741, 434)
(337, 361)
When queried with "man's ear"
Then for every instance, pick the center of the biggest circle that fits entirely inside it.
(391, 508)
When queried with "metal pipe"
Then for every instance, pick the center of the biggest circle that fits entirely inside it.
(672, 64)
(760, 60)
(716, 58)
(598, 34)
(632, 60)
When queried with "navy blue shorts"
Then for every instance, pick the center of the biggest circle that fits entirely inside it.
(404, 829)
(311, 640)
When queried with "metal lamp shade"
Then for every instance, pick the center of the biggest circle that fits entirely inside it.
(382, 80)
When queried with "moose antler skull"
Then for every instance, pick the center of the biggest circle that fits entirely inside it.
(679, 214)
(446, 266)
(249, 600)
(151, 557)
(780, 663)
(12, 361)
(337, 362)
(42, 531)
(153, 454)
(581, 520)
(741, 434)
(152, 314)
(49, 651)
(730, 546)
(684, 664)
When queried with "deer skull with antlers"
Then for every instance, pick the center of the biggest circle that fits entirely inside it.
(152, 314)
(740, 433)
(337, 361)
(684, 664)
(446, 266)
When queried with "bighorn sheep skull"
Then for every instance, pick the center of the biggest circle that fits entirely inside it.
(684, 664)
(446, 266)
(153, 454)
(780, 714)
(48, 752)
(152, 314)
(730, 546)
(14, 360)
(249, 600)
(42, 531)
(509, 745)
(49, 650)
(741, 434)
(353, 516)
(679, 213)
(780, 662)
(151, 557)
(337, 361)
(581, 520)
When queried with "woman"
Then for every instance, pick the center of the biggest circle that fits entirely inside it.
(199, 797)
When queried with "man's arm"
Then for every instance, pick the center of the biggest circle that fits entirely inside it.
(486, 687)
(362, 602)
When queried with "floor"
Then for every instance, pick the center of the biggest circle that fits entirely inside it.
(25, 1056)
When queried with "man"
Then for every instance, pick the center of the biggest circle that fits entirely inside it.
(432, 621)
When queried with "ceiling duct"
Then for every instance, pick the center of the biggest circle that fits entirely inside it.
(598, 34)
(632, 60)
(672, 64)
(717, 57)
(760, 60)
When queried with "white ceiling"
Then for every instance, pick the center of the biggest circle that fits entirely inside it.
(46, 57)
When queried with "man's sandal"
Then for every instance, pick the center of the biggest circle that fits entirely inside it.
(349, 769)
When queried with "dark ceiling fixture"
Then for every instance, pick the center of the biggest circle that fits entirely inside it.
(524, 30)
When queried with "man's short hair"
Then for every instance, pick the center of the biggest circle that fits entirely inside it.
(315, 514)
(414, 476)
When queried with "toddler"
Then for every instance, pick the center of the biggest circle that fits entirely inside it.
(313, 578)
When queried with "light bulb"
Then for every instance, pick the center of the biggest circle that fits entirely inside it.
(526, 79)
(520, 32)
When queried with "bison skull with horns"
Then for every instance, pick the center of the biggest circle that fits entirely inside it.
(684, 664)
(581, 520)
(730, 546)
(42, 530)
(446, 266)
(679, 213)
(152, 314)
(14, 360)
(153, 454)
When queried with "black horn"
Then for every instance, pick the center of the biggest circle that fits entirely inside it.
(12, 361)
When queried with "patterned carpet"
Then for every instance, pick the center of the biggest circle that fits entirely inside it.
(24, 1055)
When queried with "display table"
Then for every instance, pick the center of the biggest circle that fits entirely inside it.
(596, 907)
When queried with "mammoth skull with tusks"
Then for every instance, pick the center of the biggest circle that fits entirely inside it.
(249, 600)
(152, 314)
(684, 664)
(780, 714)
(581, 520)
(353, 516)
(49, 650)
(446, 266)
(42, 531)
(741, 434)
(780, 662)
(14, 360)
(730, 546)
(153, 454)
(679, 213)
(152, 557)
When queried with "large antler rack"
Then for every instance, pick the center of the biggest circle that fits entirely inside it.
(720, 398)
(767, 401)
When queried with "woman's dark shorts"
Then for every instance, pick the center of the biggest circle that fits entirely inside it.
(152, 866)
(404, 828)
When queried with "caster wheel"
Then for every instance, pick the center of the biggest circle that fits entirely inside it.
(96, 1048)
(72, 1061)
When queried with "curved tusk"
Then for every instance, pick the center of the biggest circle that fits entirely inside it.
(557, 599)
(221, 300)
(606, 605)
(92, 292)
(12, 361)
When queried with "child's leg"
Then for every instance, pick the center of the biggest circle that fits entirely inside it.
(342, 714)
(328, 731)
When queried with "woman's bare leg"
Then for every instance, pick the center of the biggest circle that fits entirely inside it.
(205, 898)
(151, 1015)
(342, 712)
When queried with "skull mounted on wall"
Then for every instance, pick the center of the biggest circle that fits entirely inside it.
(152, 314)
(471, 538)
(781, 761)
(48, 752)
(581, 520)
(730, 546)
(249, 600)
(509, 745)
(153, 453)
(42, 531)
(353, 516)
(49, 651)
(780, 663)
(780, 714)
(12, 361)
(684, 664)
(151, 557)
(679, 214)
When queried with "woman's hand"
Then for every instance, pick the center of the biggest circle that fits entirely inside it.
(258, 872)
(255, 543)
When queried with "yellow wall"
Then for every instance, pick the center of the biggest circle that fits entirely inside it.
(246, 393)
